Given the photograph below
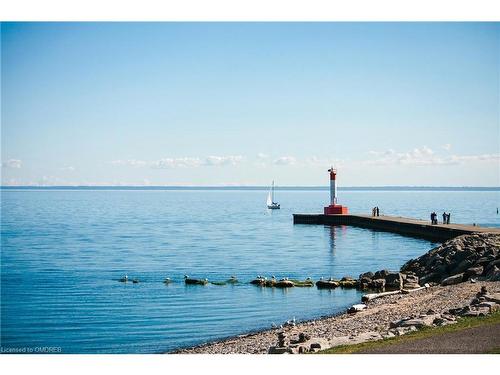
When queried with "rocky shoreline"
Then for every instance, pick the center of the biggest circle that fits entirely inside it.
(473, 292)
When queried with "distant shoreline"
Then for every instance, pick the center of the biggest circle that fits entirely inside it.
(260, 188)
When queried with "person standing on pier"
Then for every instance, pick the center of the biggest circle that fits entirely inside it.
(433, 218)
(444, 217)
(377, 211)
(448, 218)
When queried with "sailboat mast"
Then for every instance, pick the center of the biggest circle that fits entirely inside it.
(272, 192)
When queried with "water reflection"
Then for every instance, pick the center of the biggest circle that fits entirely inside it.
(335, 233)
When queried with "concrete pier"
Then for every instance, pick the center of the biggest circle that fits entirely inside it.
(400, 225)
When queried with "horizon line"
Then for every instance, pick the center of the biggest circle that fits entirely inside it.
(213, 187)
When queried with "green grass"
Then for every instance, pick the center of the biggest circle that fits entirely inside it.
(493, 351)
(463, 323)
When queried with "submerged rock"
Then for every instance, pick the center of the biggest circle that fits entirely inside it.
(190, 281)
(284, 283)
(303, 283)
(258, 281)
(327, 284)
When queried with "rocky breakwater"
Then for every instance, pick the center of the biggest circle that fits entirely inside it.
(468, 257)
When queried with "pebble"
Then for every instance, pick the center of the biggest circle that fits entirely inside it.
(377, 317)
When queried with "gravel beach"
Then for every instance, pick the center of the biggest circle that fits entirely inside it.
(376, 317)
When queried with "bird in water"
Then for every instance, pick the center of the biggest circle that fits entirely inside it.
(124, 279)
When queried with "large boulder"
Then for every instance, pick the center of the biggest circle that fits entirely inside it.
(473, 272)
(411, 278)
(394, 280)
(455, 279)
(378, 284)
(366, 275)
(493, 274)
(380, 274)
(411, 285)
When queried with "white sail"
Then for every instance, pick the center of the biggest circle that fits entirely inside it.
(271, 204)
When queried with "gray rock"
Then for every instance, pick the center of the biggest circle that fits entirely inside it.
(411, 279)
(455, 279)
(459, 311)
(301, 349)
(473, 272)
(434, 276)
(347, 278)
(378, 284)
(493, 297)
(395, 323)
(491, 264)
(461, 267)
(387, 335)
(303, 337)
(411, 285)
(367, 275)
(400, 331)
(493, 274)
(423, 320)
(356, 308)
(441, 322)
(394, 280)
(278, 350)
(475, 313)
(491, 306)
(381, 274)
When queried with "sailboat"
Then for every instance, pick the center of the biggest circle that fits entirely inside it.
(271, 204)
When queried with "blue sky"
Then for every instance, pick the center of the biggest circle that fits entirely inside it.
(245, 103)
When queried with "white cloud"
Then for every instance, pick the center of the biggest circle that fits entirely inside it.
(424, 156)
(168, 163)
(446, 147)
(262, 156)
(130, 163)
(285, 160)
(184, 162)
(12, 163)
(314, 161)
(471, 158)
(68, 168)
(223, 160)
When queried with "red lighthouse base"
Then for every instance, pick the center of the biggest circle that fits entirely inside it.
(336, 209)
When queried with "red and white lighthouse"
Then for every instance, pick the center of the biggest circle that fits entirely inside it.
(334, 208)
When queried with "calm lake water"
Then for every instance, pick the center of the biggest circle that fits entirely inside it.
(63, 251)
